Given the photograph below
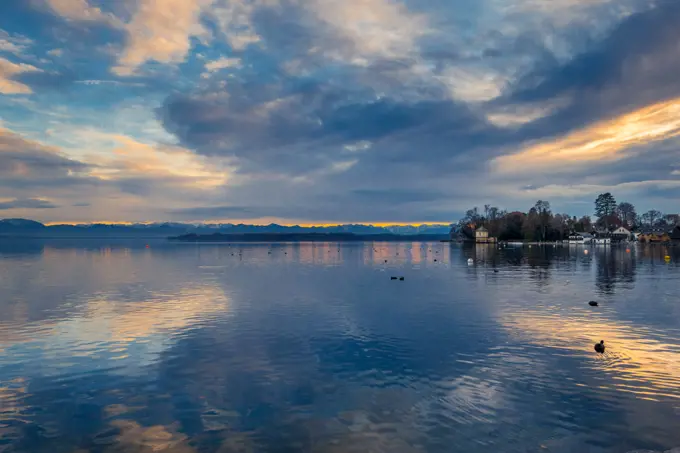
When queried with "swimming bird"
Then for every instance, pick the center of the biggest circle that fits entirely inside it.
(592, 303)
(495, 270)
(393, 278)
(599, 347)
(401, 278)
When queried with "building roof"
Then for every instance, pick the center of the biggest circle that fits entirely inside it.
(481, 228)
(656, 230)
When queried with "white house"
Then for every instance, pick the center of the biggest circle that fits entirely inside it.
(621, 234)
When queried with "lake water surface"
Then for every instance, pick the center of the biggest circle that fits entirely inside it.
(115, 347)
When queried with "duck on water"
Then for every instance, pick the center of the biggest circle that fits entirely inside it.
(599, 347)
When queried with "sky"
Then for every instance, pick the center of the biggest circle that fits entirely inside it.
(335, 111)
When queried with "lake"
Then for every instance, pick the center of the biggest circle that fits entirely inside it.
(116, 346)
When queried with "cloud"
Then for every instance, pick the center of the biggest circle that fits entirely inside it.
(620, 74)
(160, 31)
(601, 142)
(373, 28)
(217, 212)
(22, 159)
(81, 10)
(26, 203)
(124, 177)
(222, 63)
(234, 21)
(110, 82)
(472, 85)
(13, 44)
(9, 71)
(131, 160)
(304, 131)
(565, 12)
(397, 196)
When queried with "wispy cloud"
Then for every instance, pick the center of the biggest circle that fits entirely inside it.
(222, 63)
(81, 10)
(26, 203)
(8, 72)
(13, 44)
(601, 142)
(110, 82)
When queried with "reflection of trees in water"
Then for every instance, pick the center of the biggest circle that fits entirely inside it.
(540, 260)
(615, 266)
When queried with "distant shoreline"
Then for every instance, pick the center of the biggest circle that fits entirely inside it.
(308, 237)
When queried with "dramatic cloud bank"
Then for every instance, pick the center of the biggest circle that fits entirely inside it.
(326, 111)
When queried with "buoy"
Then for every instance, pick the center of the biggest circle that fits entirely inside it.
(599, 347)
(627, 250)
(470, 261)
(667, 258)
(585, 252)
(147, 245)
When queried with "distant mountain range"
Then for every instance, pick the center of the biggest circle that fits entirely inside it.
(307, 237)
(31, 228)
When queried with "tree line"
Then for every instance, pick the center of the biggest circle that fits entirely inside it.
(541, 224)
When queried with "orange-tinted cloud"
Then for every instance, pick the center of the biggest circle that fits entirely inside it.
(603, 141)
(160, 30)
(8, 70)
(133, 158)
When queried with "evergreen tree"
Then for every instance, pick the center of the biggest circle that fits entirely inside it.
(605, 206)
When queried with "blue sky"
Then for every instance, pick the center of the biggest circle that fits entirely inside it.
(329, 111)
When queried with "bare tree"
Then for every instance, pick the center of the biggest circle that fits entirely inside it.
(651, 217)
(672, 219)
(493, 213)
(627, 214)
